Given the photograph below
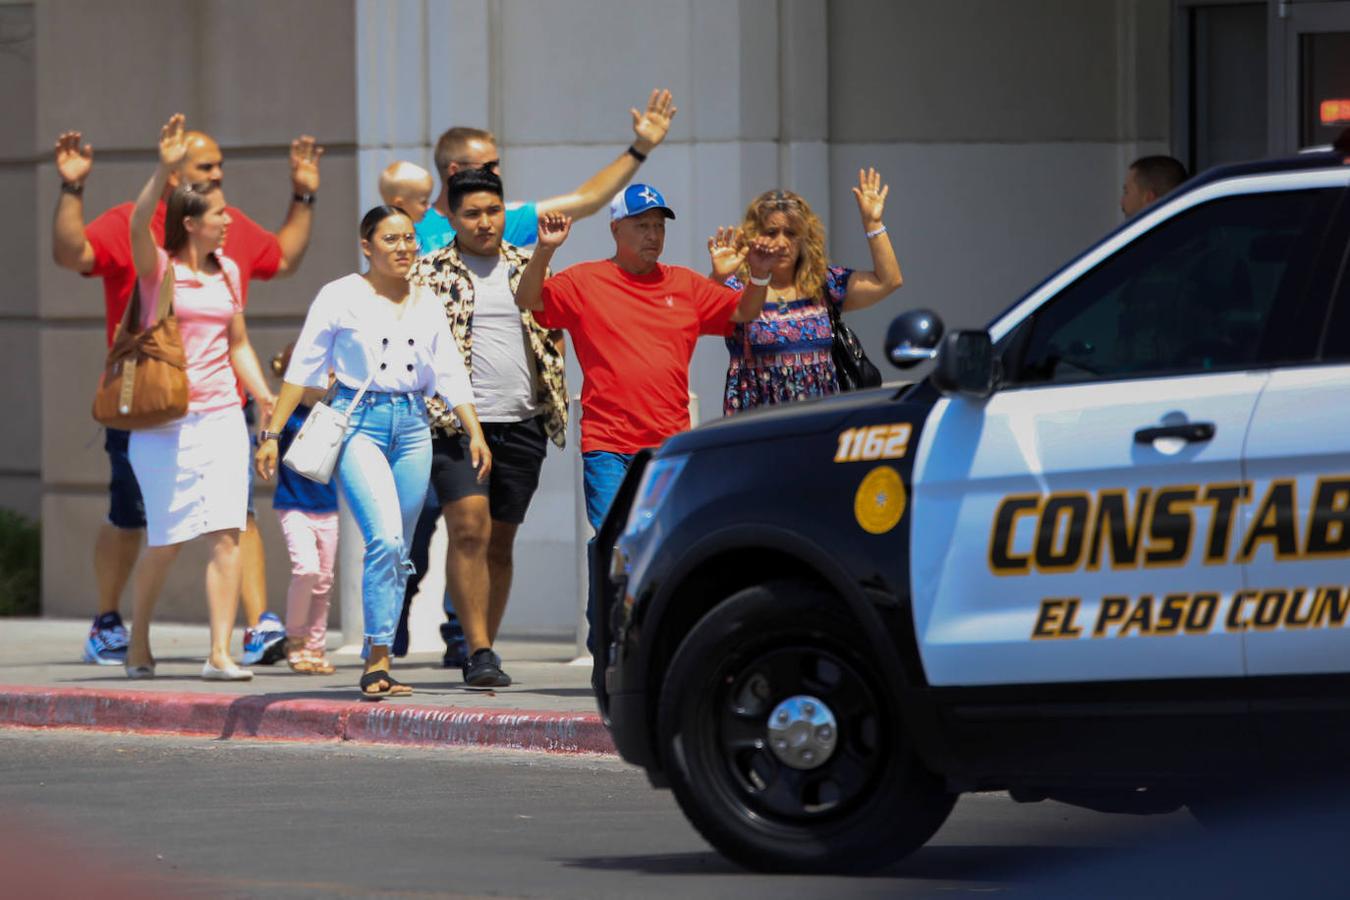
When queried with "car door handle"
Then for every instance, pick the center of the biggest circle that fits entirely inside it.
(1191, 432)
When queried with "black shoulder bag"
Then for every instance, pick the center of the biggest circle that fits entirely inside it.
(854, 369)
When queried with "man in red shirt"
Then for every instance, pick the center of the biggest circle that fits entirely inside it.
(634, 323)
(103, 250)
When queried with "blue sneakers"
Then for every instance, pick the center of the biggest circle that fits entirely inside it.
(107, 642)
(265, 643)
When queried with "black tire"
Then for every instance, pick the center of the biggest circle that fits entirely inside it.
(869, 804)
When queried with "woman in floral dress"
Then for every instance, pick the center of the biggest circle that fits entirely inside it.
(784, 355)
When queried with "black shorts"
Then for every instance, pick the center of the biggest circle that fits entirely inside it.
(518, 450)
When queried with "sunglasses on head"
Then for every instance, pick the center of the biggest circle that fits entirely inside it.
(781, 200)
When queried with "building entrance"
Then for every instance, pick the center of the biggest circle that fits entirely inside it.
(1310, 74)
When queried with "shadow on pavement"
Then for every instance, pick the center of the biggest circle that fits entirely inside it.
(708, 863)
(992, 862)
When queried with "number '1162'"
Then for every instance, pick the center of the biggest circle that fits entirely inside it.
(873, 442)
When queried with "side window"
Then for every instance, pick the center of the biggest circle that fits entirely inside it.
(1337, 347)
(1203, 291)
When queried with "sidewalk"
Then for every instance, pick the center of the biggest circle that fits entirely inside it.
(43, 683)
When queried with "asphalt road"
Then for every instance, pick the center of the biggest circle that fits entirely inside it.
(108, 815)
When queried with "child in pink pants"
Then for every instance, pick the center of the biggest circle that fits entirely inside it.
(309, 520)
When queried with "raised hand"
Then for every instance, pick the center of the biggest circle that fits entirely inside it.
(762, 256)
(871, 196)
(173, 143)
(727, 250)
(73, 162)
(305, 155)
(553, 230)
(651, 127)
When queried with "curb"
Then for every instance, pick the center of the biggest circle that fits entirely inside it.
(275, 717)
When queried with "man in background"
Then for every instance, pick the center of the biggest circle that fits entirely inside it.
(1148, 180)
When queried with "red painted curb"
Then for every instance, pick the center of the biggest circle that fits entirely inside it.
(278, 718)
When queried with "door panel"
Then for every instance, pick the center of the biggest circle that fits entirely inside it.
(1049, 544)
(1296, 612)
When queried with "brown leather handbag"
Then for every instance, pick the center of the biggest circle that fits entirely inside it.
(144, 381)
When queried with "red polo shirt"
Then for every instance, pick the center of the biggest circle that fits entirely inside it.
(256, 252)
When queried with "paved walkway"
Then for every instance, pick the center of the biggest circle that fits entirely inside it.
(43, 683)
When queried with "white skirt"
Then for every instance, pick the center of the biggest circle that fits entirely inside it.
(193, 475)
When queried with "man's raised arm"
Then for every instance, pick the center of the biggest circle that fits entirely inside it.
(70, 248)
(649, 130)
(293, 235)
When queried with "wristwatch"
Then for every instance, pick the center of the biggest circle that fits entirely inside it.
(306, 198)
(264, 436)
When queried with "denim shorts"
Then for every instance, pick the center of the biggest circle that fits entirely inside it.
(126, 508)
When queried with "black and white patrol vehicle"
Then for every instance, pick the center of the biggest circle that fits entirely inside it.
(1101, 554)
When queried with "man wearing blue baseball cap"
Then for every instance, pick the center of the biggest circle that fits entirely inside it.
(634, 323)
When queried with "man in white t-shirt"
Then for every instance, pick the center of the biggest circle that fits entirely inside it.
(516, 367)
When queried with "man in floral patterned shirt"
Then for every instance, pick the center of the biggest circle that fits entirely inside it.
(517, 371)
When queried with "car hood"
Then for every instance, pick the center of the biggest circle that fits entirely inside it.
(799, 418)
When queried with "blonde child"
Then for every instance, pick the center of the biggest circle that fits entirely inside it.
(407, 186)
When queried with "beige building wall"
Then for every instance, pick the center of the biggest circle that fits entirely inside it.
(1002, 126)
(20, 391)
(1004, 129)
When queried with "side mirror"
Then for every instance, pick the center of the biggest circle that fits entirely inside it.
(965, 364)
(913, 338)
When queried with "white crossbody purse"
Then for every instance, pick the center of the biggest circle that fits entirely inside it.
(314, 450)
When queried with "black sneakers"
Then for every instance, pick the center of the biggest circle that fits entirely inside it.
(484, 669)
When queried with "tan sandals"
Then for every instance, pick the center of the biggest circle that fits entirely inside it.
(309, 662)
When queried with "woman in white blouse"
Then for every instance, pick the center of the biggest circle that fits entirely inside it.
(373, 326)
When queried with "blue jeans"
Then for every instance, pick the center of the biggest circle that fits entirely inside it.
(420, 554)
(382, 472)
(601, 474)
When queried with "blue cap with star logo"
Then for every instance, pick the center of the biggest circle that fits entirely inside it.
(637, 198)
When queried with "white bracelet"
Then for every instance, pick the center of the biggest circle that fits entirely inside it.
(878, 233)
(760, 282)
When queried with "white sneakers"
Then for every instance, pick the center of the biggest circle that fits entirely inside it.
(231, 672)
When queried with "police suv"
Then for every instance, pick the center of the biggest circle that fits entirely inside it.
(1101, 554)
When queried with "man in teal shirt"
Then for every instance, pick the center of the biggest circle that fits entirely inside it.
(474, 148)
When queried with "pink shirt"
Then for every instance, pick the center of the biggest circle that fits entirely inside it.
(205, 305)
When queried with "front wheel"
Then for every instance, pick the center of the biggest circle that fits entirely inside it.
(782, 741)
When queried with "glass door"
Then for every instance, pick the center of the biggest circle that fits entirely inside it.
(1310, 72)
